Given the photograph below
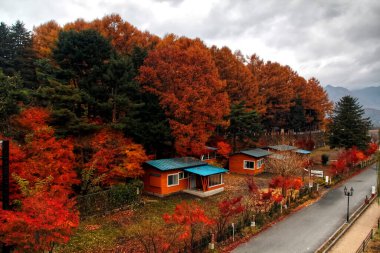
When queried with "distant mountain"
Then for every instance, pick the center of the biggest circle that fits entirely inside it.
(374, 115)
(368, 97)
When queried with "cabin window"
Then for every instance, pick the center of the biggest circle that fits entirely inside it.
(173, 179)
(249, 165)
(181, 175)
(215, 180)
(260, 163)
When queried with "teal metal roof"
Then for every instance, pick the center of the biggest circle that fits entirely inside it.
(257, 152)
(282, 147)
(175, 163)
(302, 151)
(206, 170)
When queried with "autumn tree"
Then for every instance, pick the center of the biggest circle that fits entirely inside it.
(42, 178)
(287, 165)
(45, 156)
(114, 159)
(253, 203)
(241, 85)
(316, 104)
(17, 161)
(349, 127)
(45, 219)
(223, 149)
(192, 221)
(181, 72)
(45, 37)
(227, 210)
(275, 85)
(283, 90)
(286, 184)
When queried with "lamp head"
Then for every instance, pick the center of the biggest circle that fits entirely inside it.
(352, 190)
(345, 190)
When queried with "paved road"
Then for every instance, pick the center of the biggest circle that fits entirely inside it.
(307, 229)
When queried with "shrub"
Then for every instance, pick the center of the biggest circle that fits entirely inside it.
(116, 197)
(324, 159)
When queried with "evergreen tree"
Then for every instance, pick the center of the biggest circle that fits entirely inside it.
(297, 119)
(55, 92)
(84, 56)
(244, 124)
(16, 53)
(5, 48)
(11, 96)
(349, 127)
(134, 111)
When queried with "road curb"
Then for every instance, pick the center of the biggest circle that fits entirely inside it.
(329, 243)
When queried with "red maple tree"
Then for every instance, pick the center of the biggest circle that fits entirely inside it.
(43, 220)
(115, 157)
(191, 219)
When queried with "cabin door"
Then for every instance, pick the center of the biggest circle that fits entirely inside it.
(193, 181)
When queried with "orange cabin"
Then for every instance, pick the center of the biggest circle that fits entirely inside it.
(251, 162)
(166, 176)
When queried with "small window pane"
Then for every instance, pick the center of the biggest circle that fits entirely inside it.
(215, 179)
(249, 164)
(173, 179)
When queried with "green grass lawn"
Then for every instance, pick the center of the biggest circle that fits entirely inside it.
(114, 231)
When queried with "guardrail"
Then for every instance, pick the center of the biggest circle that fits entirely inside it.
(365, 242)
(327, 245)
(368, 238)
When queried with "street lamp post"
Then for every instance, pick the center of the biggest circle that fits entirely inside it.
(348, 194)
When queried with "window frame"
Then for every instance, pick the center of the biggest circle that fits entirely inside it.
(221, 180)
(251, 161)
(260, 163)
(183, 175)
(174, 174)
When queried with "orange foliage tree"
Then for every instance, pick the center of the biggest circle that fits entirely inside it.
(183, 75)
(44, 38)
(224, 149)
(124, 37)
(281, 86)
(114, 158)
(241, 84)
(275, 85)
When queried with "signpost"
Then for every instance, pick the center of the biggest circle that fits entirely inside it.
(317, 173)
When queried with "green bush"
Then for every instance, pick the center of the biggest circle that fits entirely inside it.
(103, 201)
(260, 219)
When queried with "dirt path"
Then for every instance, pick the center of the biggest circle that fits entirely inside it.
(354, 237)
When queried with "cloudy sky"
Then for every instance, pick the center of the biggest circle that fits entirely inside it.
(336, 41)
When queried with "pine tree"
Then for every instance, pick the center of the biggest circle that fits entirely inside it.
(349, 127)
(244, 124)
(11, 94)
(5, 47)
(297, 119)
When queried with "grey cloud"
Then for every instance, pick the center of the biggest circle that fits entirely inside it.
(335, 41)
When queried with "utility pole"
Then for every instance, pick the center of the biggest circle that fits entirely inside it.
(5, 183)
(5, 169)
